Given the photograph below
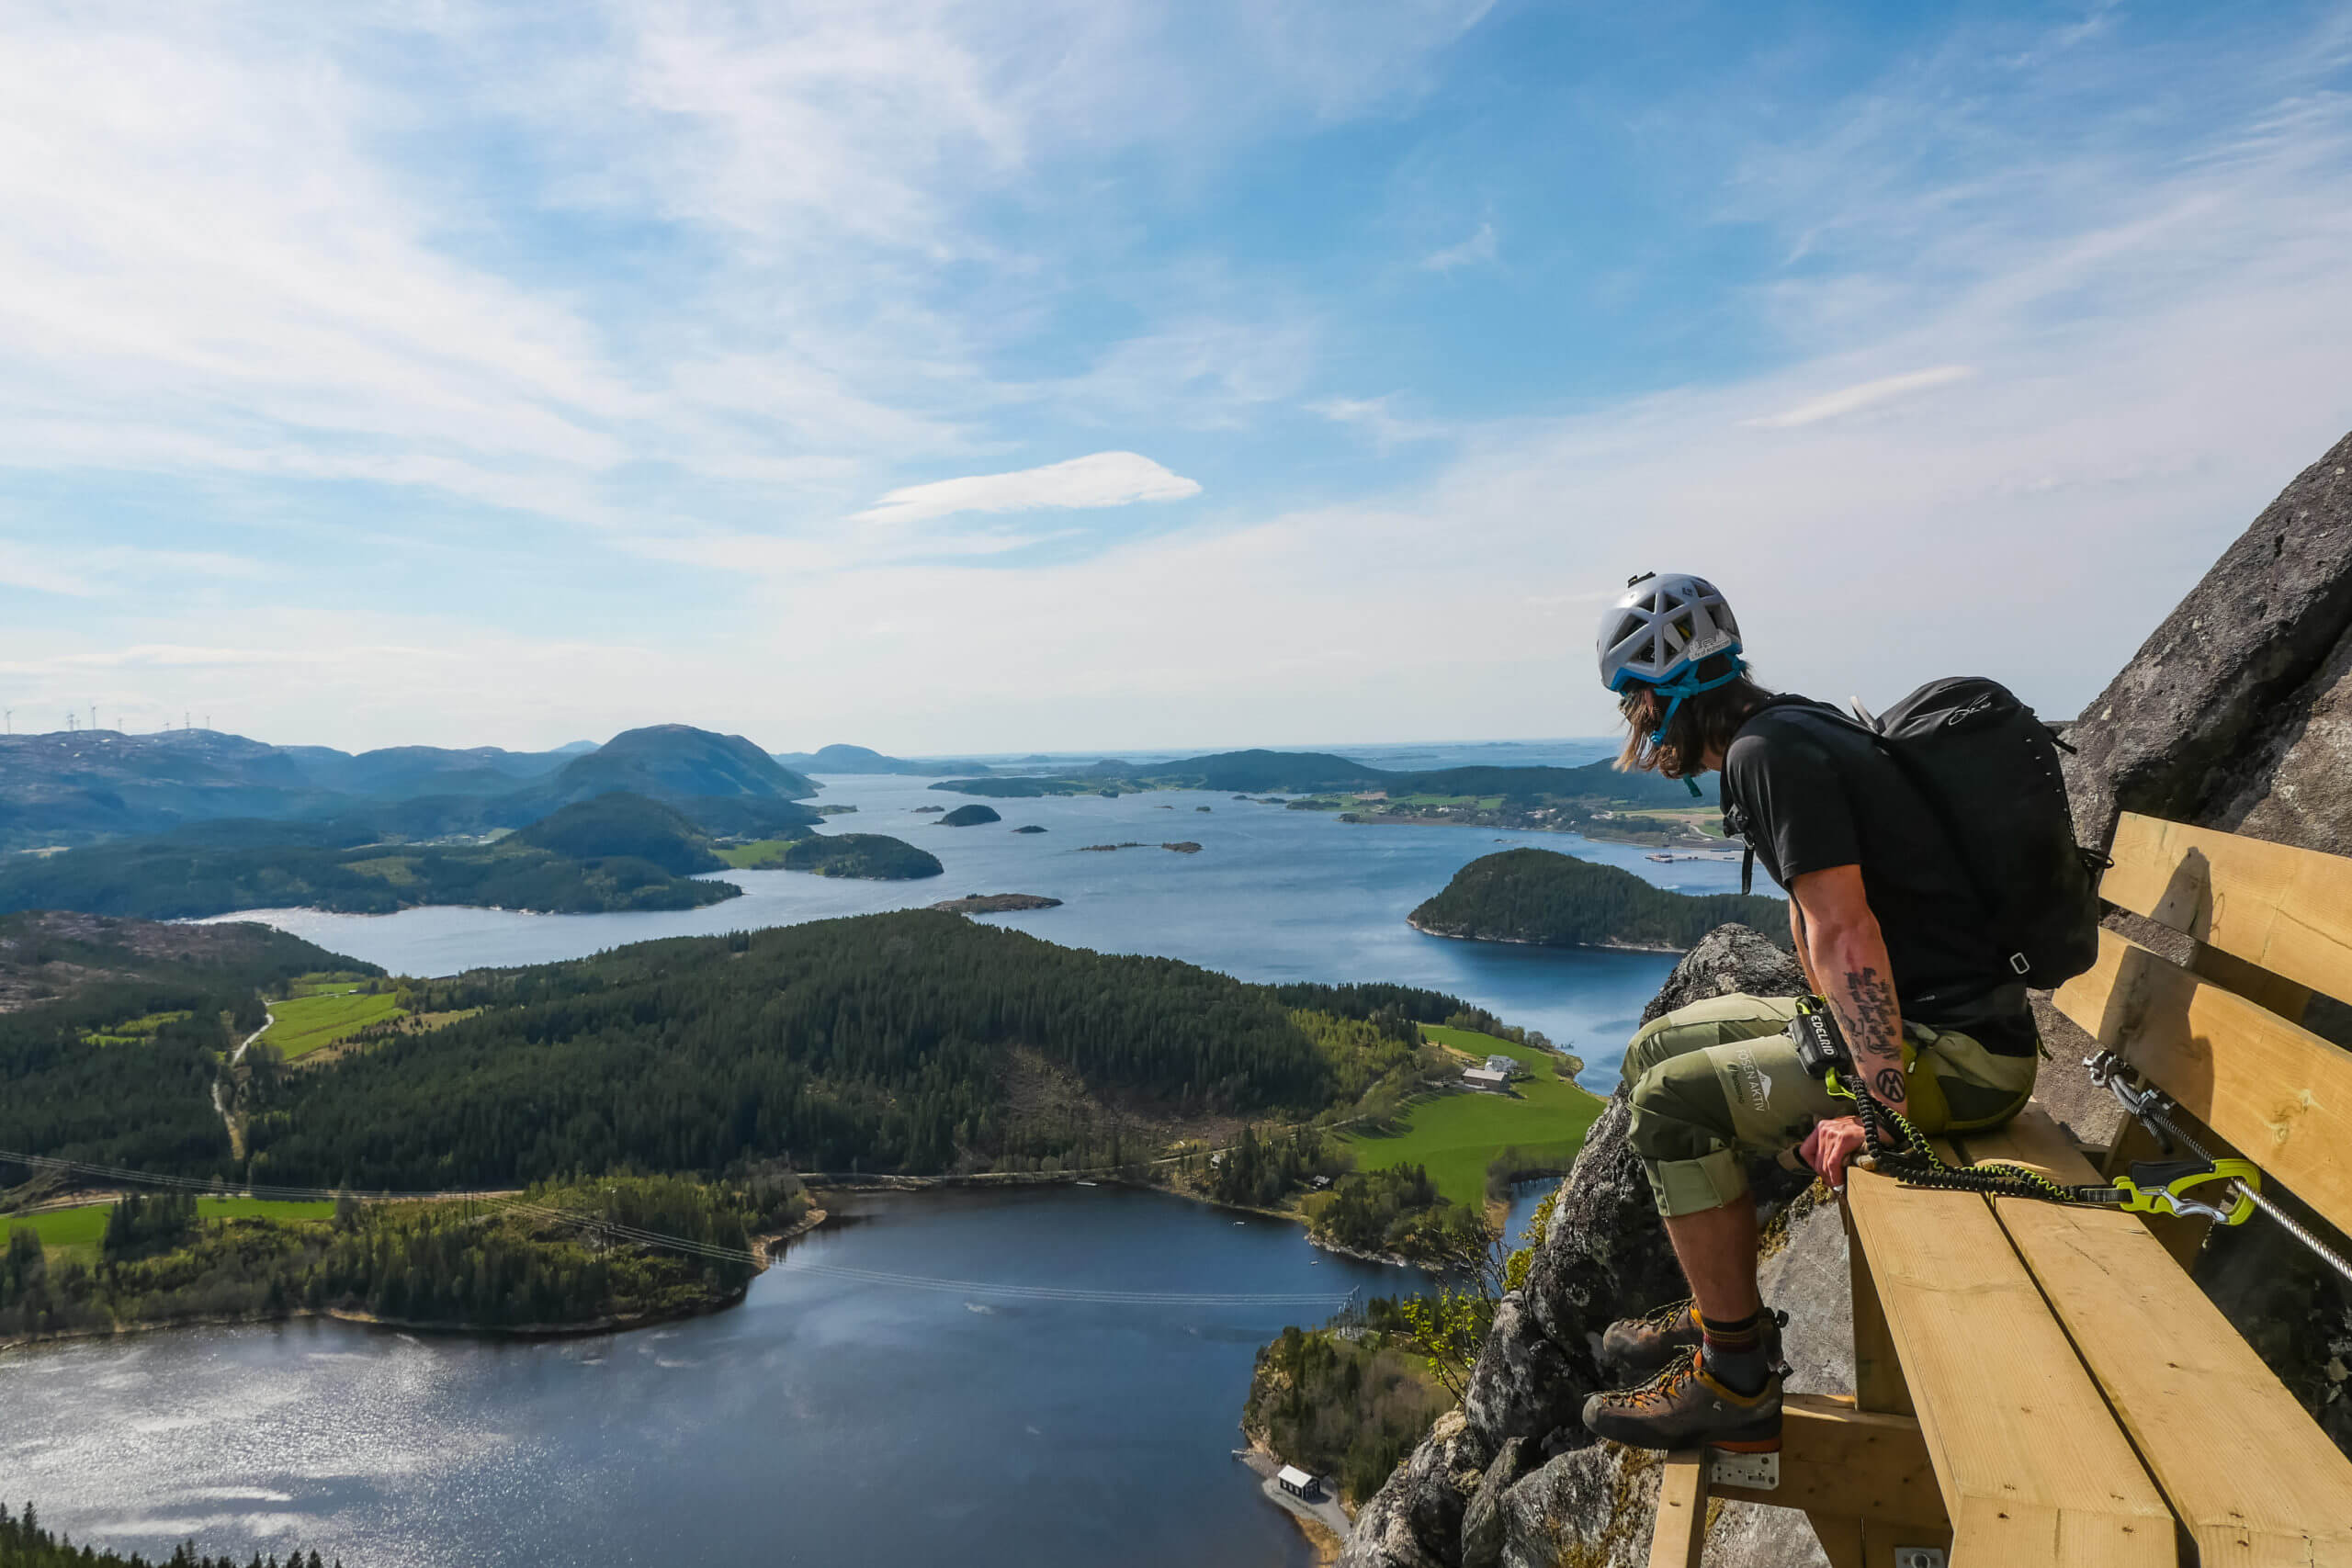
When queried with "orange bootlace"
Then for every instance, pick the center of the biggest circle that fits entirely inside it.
(1663, 1388)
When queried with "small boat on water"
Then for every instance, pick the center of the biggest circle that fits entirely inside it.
(1086, 1184)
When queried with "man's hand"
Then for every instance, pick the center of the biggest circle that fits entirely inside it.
(1830, 1147)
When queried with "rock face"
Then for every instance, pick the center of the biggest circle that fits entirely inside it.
(2237, 712)
(1513, 1477)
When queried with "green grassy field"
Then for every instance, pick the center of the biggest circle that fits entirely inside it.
(1453, 1136)
(80, 1230)
(133, 1032)
(325, 983)
(305, 1024)
(764, 854)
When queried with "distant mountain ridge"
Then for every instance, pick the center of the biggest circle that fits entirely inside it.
(1310, 773)
(677, 762)
(864, 760)
(614, 852)
(87, 787)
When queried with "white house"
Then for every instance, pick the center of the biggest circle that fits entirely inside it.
(1486, 1078)
(1507, 1065)
(1295, 1482)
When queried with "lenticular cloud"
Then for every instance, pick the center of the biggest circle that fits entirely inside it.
(1106, 479)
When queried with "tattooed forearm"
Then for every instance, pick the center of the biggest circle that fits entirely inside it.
(1874, 1024)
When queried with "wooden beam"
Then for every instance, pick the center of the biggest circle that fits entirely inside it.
(1835, 1460)
(2252, 1477)
(1681, 1532)
(1841, 1539)
(2273, 992)
(2272, 1089)
(2277, 908)
(2030, 1464)
(1878, 1372)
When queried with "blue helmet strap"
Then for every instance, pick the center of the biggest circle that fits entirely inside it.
(1688, 684)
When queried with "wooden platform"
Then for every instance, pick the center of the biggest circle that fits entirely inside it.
(2044, 1384)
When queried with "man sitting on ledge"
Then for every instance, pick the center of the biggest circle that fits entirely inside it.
(1892, 936)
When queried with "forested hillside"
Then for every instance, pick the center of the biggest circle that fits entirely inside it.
(878, 1043)
(674, 762)
(628, 826)
(1556, 900)
(24, 1543)
(875, 857)
(192, 874)
(446, 1263)
(72, 981)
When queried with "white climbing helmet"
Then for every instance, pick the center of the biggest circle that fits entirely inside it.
(1661, 628)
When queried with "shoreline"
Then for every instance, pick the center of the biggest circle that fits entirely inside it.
(765, 1248)
(1528, 942)
(1325, 1542)
(1357, 817)
(1386, 1259)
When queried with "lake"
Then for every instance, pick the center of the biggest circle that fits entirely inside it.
(1274, 895)
(836, 1419)
(829, 1420)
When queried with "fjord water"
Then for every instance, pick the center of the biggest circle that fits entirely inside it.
(826, 1421)
(1274, 895)
(829, 1419)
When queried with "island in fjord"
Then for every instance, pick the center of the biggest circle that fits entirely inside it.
(873, 857)
(996, 903)
(1547, 899)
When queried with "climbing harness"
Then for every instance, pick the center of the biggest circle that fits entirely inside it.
(1897, 1148)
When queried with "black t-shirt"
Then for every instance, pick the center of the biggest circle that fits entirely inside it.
(1809, 789)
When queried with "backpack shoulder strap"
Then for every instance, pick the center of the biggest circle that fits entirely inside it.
(1746, 844)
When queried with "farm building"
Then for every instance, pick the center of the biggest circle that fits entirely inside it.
(1486, 1078)
(1503, 1065)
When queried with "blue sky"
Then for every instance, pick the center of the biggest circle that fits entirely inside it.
(947, 377)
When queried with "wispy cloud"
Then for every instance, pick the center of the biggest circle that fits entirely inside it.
(1479, 247)
(1866, 394)
(1104, 479)
(1377, 418)
(666, 320)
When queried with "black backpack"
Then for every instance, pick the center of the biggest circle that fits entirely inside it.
(1988, 770)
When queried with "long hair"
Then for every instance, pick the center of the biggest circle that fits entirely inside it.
(1702, 724)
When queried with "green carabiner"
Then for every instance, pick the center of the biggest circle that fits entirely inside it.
(2162, 1187)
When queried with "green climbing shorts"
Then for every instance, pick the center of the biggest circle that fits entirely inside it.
(1718, 1082)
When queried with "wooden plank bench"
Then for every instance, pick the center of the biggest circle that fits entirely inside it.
(2073, 1394)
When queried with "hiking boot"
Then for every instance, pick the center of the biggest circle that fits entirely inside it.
(1683, 1407)
(1633, 1347)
